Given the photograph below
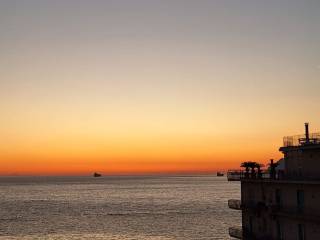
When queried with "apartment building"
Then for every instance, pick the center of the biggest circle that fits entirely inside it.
(283, 201)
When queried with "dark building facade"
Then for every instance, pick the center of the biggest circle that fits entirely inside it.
(282, 202)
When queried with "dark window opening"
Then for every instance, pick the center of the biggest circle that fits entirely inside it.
(300, 200)
(279, 231)
(278, 198)
(264, 225)
(301, 232)
(250, 225)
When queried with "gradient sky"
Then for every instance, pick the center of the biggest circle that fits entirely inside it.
(145, 86)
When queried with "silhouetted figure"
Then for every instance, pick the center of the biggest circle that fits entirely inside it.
(259, 170)
(273, 169)
(253, 172)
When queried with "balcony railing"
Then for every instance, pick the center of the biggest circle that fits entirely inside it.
(237, 175)
(234, 204)
(235, 232)
(279, 175)
(300, 140)
(295, 212)
(234, 175)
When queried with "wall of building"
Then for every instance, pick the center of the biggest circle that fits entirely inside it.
(259, 197)
(303, 162)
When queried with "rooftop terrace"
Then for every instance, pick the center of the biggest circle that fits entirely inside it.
(301, 140)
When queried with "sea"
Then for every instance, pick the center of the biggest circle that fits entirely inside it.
(117, 207)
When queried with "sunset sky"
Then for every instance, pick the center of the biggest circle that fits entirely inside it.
(146, 86)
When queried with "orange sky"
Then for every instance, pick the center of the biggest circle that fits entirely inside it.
(70, 145)
(153, 86)
(145, 153)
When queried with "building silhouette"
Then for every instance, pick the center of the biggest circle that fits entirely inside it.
(283, 201)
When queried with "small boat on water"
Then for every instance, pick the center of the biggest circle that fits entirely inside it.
(220, 174)
(97, 174)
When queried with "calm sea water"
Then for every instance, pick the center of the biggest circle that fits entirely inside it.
(155, 207)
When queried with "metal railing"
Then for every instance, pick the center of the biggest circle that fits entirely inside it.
(300, 140)
(296, 212)
(279, 175)
(234, 175)
(237, 175)
(235, 232)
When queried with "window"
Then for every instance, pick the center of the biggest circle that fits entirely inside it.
(250, 225)
(300, 200)
(264, 227)
(278, 197)
(301, 232)
(279, 231)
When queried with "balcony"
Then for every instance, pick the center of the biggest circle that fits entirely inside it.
(234, 175)
(295, 213)
(301, 140)
(234, 204)
(280, 176)
(235, 232)
(238, 175)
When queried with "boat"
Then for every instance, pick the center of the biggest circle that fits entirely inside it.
(97, 174)
(220, 174)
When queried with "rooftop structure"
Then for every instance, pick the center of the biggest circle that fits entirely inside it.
(281, 201)
(302, 140)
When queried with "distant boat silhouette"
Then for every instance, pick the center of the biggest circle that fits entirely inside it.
(97, 174)
(220, 174)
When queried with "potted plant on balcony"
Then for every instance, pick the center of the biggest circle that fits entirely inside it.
(247, 166)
